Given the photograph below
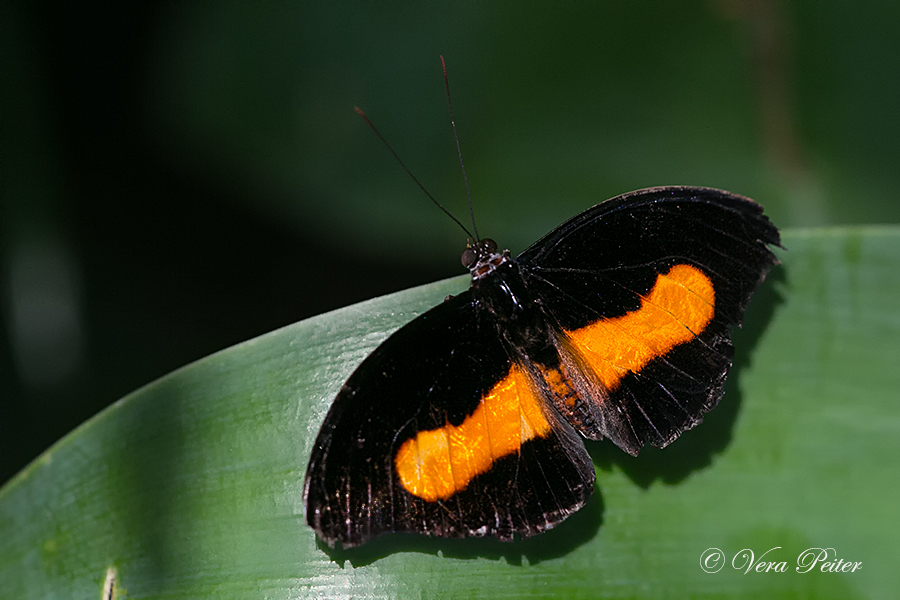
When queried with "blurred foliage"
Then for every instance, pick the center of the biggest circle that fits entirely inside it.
(178, 177)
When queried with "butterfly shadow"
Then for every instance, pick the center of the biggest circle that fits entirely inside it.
(696, 448)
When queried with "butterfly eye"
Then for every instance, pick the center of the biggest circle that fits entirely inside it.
(489, 245)
(469, 257)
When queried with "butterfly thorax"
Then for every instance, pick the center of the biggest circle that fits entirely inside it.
(503, 299)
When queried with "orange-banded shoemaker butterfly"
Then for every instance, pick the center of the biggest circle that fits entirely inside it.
(469, 420)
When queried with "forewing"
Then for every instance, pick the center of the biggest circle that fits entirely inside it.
(644, 290)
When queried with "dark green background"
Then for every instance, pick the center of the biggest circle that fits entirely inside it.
(179, 177)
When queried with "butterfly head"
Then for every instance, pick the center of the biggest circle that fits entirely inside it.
(482, 257)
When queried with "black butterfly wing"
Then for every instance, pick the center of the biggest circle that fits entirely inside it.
(644, 289)
(439, 431)
(449, 429)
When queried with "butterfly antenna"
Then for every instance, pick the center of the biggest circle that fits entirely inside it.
(459, 150)
(408, 172)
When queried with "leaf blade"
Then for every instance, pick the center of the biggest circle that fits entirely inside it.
(192, 485)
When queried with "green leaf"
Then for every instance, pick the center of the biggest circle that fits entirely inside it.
(191, 486)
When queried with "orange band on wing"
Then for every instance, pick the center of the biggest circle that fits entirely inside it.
(436, 464)
(680, 306)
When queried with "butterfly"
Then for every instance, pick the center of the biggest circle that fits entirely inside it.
(470, 420)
